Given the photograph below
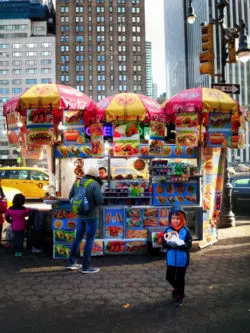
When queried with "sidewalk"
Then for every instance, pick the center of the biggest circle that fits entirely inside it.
(130, 293)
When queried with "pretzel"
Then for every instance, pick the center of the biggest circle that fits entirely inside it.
(168, 235)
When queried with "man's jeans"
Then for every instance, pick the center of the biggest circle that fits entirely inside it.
(89, 226)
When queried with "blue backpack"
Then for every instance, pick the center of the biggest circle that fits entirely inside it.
(80, 204)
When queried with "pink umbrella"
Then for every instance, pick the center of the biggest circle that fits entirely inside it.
(200, 100)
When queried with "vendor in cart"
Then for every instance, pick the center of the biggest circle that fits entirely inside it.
(103, 173)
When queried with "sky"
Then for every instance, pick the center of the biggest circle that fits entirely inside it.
(154, 12)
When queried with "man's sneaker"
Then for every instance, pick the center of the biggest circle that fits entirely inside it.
(74, 266)
(90, 270)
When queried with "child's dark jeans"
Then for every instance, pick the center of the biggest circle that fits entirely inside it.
(176, 277)
(18, 240)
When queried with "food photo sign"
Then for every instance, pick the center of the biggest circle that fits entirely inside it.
(177, 193)
(220, 129)
(73, 127)
(126, 140)
(14, 132)
(40, 127)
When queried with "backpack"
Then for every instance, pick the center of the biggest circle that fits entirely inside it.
(80, 204)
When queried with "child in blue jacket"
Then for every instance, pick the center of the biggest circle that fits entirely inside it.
(178, 241)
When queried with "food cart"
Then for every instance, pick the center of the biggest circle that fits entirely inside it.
(146, 176)
(148, 172)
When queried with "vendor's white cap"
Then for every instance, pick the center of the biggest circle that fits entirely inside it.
(92, 172)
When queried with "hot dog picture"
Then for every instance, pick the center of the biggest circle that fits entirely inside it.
(217, 138)
(71, 134)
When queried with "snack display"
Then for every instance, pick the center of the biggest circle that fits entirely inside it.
(182, 193)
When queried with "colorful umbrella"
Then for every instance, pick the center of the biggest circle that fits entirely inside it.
(199, 100)
(49, 95)
(129, 107)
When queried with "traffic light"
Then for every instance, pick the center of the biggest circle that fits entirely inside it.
(232, 51)
(207, 54)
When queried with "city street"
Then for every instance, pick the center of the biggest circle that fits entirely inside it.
(130, 293)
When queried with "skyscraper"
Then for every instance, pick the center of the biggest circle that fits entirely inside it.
(27, 56)
(182, 58)
(100, 46)
(149, 78)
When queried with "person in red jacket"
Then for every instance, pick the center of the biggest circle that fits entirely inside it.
(3, 208)
(16, 216)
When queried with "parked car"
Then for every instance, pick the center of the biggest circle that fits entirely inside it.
(29, 181)
(240, 191)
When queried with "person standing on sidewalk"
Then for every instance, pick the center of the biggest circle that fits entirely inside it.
(3, 208)
(88, 222)
(16, 216)
(178, 241)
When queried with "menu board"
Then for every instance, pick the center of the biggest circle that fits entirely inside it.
(172, 193)
(126, 140)
(73, 127)
(14, 132)
(96, 134)
(220, 129)
(171, 151)
(80, 151)
(40, 127)
(187, 133)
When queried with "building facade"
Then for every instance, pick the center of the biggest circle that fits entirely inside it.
(149, 78)
(100, 46)
(182, 58)
(27, 57)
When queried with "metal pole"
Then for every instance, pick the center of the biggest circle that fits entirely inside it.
(227, 218)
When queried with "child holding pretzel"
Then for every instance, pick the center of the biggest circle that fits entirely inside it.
(178, 241)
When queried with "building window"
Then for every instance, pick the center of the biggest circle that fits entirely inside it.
(31, 81)
(30, 70)
(31, 62)
(4, 46)
(16, 46)
(4, 90)
(47, 44)
(17, 81)
(46, 80)
(79, 39)
(17, 90)
(16, 62)
(4, 82)
(17, 71)
(17, 54)
(31, 54)
(31, 45)
(46, 70)
(46, 62)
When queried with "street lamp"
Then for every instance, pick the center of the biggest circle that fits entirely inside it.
(190, 13)
(243, 50)
(228, 54)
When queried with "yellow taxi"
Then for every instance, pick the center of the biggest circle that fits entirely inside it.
(29, 181)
